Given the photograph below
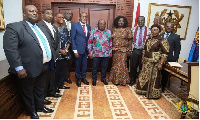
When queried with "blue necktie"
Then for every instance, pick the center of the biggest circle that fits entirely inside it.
(43, 41)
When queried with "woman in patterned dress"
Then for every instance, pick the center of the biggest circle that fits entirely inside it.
(122, 38)
(154, 55)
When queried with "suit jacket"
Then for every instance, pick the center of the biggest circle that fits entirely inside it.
(22, 48)
(79, 40)
(175, 47)
(54, 40)
(134, 32)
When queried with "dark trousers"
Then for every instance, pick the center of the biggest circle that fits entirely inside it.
(81, 64)
(50, 84)
(61, 67)
(164, 80)
(136, 58)
(165, 76)
(32, 90)
(104, 65)
(69, 64)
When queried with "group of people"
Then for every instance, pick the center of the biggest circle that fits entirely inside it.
(41, 54)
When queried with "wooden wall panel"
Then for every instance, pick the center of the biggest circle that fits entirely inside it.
(123, 7)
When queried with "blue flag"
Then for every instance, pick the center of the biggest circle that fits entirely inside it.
(194, 52)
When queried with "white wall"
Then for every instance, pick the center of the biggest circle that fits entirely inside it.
(193, 21)
(12, 13)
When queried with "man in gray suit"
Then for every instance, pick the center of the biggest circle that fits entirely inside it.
(47, 16)
(175, 48)
(28, 50)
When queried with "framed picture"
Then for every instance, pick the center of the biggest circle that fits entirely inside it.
(179, 15)
(2, 23)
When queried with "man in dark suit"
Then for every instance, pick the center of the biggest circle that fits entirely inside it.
(28, 50)
(175, 48)
(79, 35)
(47, 16)
(68, 23)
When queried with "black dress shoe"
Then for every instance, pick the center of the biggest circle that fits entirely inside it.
(94, 83)
(132, 82)
(69, 81)
(57, 90)
(116, 84)
(84, 81)
(55, 95)
(47, 102)
(34, 115)
(105, 82)
(78, 83)
(163, 89)
(64, 87)
(45, 110)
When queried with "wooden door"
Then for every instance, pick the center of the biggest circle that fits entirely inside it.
(95, 13)
(75, 8)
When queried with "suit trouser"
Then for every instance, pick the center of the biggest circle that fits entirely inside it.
(164, 80)
(50, 84)
(165, 75)
(60, 72)
(69, 64)
(32, 90)
(136, 58)
(81, 64)
(104, 65)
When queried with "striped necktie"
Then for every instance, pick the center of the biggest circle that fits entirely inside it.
(140, 38)
(44, 41)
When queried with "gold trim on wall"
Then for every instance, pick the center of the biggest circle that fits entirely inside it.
(180, 14)
(2, 23)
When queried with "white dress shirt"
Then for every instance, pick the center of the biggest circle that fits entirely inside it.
(49, 25)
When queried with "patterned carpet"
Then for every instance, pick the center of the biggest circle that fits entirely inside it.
(110, 102)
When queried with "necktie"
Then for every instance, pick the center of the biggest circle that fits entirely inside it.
(84, 29)
(167, 35)
(140, 38)
(43, 41)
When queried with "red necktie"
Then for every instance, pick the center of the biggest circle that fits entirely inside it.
(140, 38)
(84, 29)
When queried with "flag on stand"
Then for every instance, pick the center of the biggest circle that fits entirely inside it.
(137, 13)
(194, 52)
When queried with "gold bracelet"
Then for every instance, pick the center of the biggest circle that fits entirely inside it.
(161, 63)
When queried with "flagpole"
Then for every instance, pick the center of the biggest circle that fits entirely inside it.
(137, 14)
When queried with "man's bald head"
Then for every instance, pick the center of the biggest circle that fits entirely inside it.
(30, 14)
(157, 20)
(68, 15)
